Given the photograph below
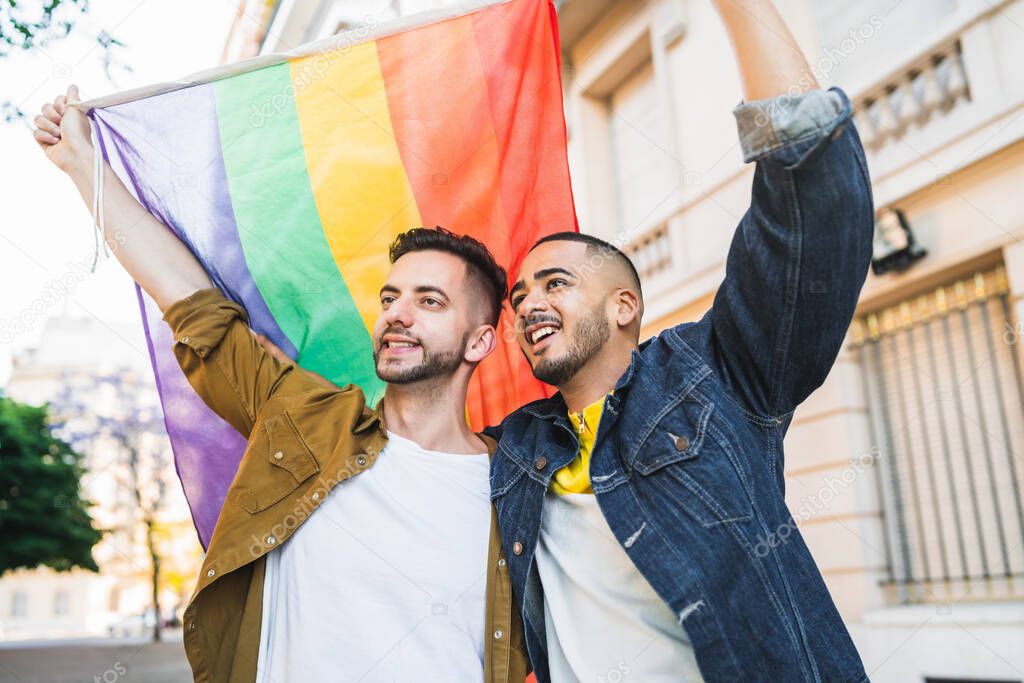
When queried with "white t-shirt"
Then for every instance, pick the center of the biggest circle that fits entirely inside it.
(603, 620)
(386, 579)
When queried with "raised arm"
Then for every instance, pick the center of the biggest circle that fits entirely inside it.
(148, 250)
(222, 359)
(769, 59)
(801, 252)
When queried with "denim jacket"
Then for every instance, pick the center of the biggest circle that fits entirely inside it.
(688, 462)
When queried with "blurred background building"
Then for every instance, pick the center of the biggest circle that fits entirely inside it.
(904, 471)
(81, 362)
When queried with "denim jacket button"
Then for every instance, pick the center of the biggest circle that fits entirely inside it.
(682, 443)
(540, 463)
(517, 548)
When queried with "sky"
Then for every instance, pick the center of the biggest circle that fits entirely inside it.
(46, 233)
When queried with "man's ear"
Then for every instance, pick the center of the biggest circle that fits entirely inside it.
(628, 308)
(482, 342)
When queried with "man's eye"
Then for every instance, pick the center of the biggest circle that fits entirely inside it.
(432, 302)
(556, 282)
(516, 301)
(386, 300)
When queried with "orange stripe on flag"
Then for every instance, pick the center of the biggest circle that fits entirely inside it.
(457, 151)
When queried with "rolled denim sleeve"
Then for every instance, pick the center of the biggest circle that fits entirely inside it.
(800, 254)
(766, 126)
(223, 361)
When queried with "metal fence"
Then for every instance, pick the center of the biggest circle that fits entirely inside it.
(943, 381)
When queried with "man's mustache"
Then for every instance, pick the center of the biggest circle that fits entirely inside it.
(538, 318)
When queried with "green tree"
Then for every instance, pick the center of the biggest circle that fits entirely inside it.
(30, 26)
(25, 25)
(43, 518)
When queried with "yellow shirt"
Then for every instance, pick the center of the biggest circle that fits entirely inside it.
(575, 477)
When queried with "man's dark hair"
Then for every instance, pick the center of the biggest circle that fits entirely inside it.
(480, 264)
(596, 245)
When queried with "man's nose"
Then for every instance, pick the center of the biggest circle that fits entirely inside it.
(398, 313)
(534, 303)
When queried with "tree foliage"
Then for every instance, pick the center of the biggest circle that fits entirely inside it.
(43, 518)
(28, 25)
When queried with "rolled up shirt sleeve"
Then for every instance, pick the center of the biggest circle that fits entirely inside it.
(766, 126)
(202, 319)
(223, 361)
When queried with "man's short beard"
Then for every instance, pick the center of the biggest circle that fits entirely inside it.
(434, 364)
(591, 334)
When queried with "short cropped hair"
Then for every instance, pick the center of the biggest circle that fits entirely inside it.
(480, 264)
(596, 245)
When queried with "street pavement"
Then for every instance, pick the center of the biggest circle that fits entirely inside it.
(99, 660)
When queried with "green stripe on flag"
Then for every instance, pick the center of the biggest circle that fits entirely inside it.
(279, 227)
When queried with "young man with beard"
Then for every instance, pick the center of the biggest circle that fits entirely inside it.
(391, 576)
(642, 507)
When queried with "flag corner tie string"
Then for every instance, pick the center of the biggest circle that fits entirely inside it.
(97, 200)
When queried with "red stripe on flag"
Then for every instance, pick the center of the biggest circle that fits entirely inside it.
(476, 106)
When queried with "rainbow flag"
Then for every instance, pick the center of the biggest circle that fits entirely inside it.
(289, 175)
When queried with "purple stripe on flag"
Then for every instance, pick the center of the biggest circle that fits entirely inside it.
(207, 449)
(187, 186)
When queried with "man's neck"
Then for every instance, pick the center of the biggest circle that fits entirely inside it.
(431, 413)
(596, 379)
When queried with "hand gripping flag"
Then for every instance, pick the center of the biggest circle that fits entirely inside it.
(289, 175)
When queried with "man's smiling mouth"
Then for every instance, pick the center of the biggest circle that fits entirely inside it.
(540, 334)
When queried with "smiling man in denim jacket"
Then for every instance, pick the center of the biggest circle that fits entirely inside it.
(635, 504)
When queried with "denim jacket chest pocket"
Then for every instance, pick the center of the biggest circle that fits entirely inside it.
(690, 462)
(276, 462)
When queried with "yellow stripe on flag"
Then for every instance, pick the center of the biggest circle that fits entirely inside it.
(359, 183)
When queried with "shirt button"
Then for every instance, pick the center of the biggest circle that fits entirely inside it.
(211, 572)
(540, 464)
(271, 540)
(501, 562)
(361, 460)
(191, 626)
(498, 634)
(184, 340)
(682, 443)
(517, 548)
(278, 455)
(316, 495)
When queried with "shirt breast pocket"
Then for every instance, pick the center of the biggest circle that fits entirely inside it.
(691, 464)
(276, 462)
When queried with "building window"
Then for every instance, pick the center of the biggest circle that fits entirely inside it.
(61, 603)
(19, 604)
(943, 384)
(645, 172)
